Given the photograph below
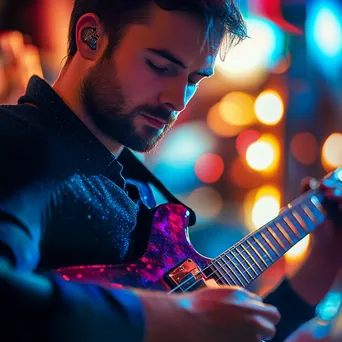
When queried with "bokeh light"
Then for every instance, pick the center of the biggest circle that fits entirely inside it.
(185, 144)
(304, 148)
(209, 168)
(261, 206)
(327, 32)
(236, 109)
(299, 250)
(206, 202)
(265, 209)
(324, 35)
(260, 52)
(332, 152)
(269, 107)
(245, 139)
(243, 176)
(218, 125)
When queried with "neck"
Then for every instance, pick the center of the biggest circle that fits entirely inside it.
(68, 88)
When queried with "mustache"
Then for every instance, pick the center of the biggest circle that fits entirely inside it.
(160, 113)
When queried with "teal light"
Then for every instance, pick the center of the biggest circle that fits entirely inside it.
(324, 35)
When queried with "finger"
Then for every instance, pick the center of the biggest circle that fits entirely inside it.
(262, 327)
(267, 311)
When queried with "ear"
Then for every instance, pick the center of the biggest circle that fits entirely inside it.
(86, 50)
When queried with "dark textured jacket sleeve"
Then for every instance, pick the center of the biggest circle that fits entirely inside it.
(74, 312)
(293, 309)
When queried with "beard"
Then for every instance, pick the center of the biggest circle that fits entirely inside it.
(110, 110)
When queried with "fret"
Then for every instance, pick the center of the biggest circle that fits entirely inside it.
(310, 225)
(300, 220)
(276, 238)
(222, 275)
(250, 265)
(262, 247)
(257, 253)
(283, 231)
(291, 226)
(240, 263)
(269, 243)
(315, 201)
(309, 213)
(234, 263)
(299, 228)
(251, 257)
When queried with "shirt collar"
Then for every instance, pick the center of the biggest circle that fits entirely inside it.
(62, 121)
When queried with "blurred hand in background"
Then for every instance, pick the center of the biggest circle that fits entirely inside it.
(18, 62)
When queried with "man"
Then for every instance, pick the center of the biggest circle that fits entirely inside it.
(132, 67)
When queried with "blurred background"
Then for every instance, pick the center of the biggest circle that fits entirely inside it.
(270, 116)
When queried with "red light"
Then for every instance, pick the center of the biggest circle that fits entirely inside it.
(245, 139)
(209, 168)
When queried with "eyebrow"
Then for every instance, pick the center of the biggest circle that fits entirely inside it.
(172, 58)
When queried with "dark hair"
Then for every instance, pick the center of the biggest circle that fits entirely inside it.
(220, 16)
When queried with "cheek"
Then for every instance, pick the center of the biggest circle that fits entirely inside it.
(138, 81)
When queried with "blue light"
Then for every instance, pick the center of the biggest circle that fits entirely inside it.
(324, 35)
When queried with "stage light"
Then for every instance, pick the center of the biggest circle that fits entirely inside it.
(209, 168)
(269, 107)
(332, 152)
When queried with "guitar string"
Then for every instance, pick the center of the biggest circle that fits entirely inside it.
(221, 256)
(214, 273)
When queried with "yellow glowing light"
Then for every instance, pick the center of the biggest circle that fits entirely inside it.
(332, 151)
(260, 155)
(299, 250)
(265, 209)
(218, 125)
(236, 109)
(260, 206)
(206, 202)
(269, 107)
(264, 154)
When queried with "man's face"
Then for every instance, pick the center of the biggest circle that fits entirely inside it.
(135, 97)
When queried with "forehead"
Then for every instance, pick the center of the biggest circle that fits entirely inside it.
(178, 32)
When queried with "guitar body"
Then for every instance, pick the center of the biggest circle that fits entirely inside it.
(168, 259)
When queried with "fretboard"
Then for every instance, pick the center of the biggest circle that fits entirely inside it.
(250, 257)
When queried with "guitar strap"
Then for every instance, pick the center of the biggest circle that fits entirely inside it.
(143, 174)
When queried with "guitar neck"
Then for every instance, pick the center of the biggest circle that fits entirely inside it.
(249, 258)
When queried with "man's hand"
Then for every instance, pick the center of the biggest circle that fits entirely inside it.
(18, 62)
(221, 314)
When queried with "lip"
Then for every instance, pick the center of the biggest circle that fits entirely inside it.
(154, 122)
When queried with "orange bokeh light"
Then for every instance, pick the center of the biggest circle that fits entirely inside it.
(245, 139)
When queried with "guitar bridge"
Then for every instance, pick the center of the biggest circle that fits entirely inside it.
(187, 276)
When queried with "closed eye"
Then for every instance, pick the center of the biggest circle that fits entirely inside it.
(165, 71)
(159, 70)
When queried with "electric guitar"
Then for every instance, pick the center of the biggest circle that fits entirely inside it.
(171, 263)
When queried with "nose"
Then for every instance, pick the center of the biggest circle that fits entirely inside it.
(174, 97)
